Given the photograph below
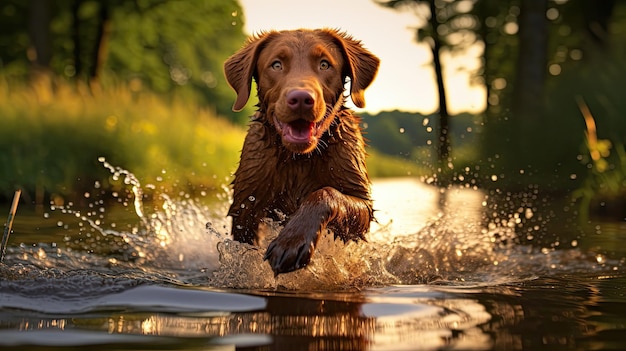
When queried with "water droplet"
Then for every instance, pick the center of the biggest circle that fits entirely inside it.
(528, 214)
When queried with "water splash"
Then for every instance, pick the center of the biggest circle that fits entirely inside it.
(185, 241)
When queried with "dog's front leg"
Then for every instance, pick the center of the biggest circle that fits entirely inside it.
(349, 216)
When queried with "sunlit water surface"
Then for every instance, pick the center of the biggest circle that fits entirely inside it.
(454, 269)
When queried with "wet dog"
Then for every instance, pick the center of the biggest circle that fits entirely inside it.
(303, 156)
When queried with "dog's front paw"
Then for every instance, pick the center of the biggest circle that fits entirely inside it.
(289, 252)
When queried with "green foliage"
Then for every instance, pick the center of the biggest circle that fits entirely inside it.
(603, 190)
(411, 136)
(606, 182)
(53, 134)
(455, 20)
(162, 46)
(380, 165)
(549, 150)
(177, 44)
(14, 39)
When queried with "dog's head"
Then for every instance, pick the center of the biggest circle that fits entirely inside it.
(300, 77)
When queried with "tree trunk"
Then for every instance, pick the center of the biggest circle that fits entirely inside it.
(78, 64)
(528, 94)
(102, 36)
(40, 52)
(443, 144)
(484, 10)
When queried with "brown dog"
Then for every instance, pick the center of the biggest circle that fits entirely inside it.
(304, 155)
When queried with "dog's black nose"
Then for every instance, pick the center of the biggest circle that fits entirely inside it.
(300, 100)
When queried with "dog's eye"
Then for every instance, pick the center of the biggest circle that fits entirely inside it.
(277, 65)
(324, 65)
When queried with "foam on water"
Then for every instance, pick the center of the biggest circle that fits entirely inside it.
(186, 242)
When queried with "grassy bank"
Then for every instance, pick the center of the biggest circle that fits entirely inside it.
(54, 133)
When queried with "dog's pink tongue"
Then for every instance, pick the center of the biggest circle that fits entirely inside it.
(299, 131)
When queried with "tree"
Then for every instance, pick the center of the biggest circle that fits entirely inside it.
(177, 46)
(164, 46)
(99, 50)
(441, 20)
(40, 52)
(443, 151)
(98, 22)
(532, 61)
(427, 32)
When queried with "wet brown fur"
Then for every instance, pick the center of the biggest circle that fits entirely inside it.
(318, 185)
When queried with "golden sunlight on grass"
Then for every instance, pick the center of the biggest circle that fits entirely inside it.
(54, 132)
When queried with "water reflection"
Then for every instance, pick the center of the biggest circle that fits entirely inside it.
(405, 205)
(500, 274)
(548, 313)
(387, 318)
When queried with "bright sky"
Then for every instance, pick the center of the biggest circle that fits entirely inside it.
(405, 80)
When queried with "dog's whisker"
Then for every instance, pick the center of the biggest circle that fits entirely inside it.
(321, 145)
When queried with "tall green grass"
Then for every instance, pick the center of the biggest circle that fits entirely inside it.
(53, 134)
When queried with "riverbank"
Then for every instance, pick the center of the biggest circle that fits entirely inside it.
(56, 135)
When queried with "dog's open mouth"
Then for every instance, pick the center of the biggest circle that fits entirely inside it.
(298, 131)
(300, 136)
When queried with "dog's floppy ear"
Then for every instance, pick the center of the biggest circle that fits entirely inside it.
(361, 65)
(240, 68)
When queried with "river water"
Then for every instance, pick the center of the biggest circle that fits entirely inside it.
(459, 269)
